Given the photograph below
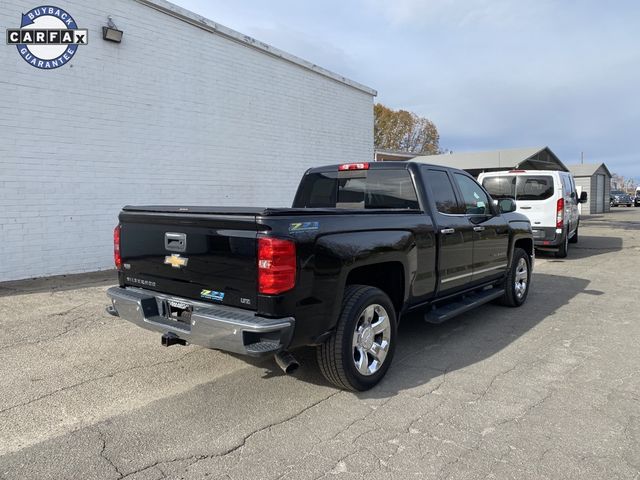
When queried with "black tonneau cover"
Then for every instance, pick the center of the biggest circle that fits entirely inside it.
(259, 211)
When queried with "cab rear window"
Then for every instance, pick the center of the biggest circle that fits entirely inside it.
(520, 187)
(368, 189)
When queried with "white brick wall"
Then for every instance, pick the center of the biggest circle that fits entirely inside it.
(173, 115)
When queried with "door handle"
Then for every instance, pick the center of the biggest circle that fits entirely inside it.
(525, 208)
(448, 231)
(478, 229)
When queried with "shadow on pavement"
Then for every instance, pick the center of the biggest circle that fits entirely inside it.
(588, 246)
(59, 283)
(618, 219)
(426, 351)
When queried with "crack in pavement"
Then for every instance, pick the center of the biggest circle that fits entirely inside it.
(234, 448)
(104, 455)
(68, 326)
(69, 310)
(493, 380)
(443, 380)
(357, 420)
(527, 410)
(96, 379)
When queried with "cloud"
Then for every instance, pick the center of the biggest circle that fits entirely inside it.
(314, 48)
(489, 73)
(494, 13)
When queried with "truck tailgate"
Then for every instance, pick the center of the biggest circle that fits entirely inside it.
(209, 257)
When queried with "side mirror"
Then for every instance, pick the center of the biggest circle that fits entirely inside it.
(507, 205)
(583, 197)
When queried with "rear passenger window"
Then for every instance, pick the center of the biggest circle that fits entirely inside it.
(390, 189)
(443, 193)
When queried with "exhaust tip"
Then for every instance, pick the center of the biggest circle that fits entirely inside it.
(292, 367)
(286, 362)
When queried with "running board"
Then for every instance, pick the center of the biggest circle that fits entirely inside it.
(466, 303)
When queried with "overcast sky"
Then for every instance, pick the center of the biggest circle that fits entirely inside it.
(490, 73)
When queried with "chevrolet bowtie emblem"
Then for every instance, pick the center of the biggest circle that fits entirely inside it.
(176, 261)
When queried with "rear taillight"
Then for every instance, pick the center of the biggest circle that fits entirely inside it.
(276, 265)
(117, 259)
(353, 166)
(560, 213)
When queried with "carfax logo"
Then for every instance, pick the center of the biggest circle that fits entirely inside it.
(48, 37)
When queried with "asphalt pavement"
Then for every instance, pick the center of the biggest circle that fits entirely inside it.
(547, 391)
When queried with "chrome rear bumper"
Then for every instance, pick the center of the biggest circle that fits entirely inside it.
(212, 326)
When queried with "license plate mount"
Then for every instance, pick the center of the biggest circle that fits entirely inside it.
(178, 311)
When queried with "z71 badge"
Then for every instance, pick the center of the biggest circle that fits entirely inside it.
(212, 295)
(303, 227)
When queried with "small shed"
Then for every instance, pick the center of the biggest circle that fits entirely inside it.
(595, 179)
(533, 158)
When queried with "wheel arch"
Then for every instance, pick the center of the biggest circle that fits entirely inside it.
(525, 243)
(388, 276)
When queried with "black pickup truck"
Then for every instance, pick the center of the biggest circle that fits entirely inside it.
(362, 245)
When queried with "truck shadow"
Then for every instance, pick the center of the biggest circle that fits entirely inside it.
(425, 352)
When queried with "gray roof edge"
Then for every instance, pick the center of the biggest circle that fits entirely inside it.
(503, 158)
(566, 169)
(213, 27)
(594, 167)
(529, 150)
(397, 152)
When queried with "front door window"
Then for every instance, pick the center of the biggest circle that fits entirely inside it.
(476, 201)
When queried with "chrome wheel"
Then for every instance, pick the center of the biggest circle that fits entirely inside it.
(521, 278)
(371, 339)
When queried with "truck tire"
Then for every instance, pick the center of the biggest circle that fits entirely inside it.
(359, 352)
(516, 285)
(563, 251)
(574, 239)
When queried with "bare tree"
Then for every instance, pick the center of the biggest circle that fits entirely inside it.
(620, 182)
